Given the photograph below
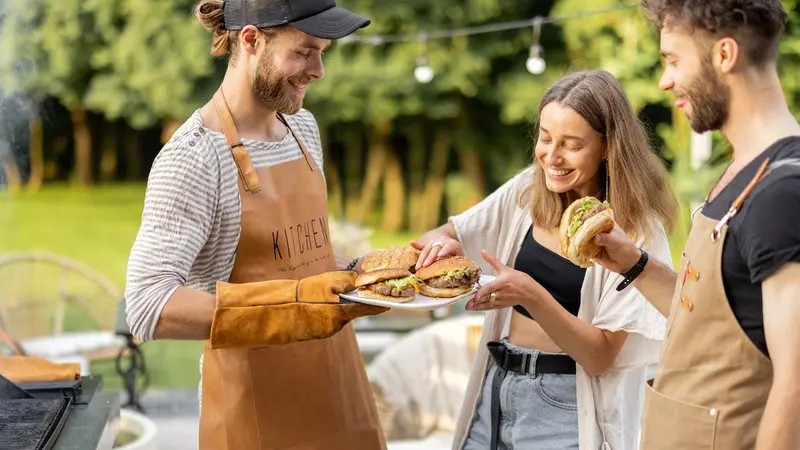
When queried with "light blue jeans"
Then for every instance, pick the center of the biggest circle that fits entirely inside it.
(537, 412)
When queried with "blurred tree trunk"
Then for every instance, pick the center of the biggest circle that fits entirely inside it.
(471, 167)
(10, 168)
(37, 154)
(353, 149)
(434, 186)
(108, 157)
(168, 129)
(376, 161)
(416, 167)
(393, 194)
(133, 153)
(332, 177)
(83, 147)
(469, 162)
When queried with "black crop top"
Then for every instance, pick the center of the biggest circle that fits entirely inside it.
(562, 279)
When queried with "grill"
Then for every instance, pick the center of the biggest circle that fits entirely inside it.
(33, 414)
(32, 423)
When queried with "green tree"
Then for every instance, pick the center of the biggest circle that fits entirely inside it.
(128, 60)
(152, 62)
(453, 119)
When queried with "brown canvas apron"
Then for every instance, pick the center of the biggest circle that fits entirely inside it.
(311, 395)
(712, 382)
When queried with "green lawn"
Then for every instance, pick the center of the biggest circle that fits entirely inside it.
(97, 227)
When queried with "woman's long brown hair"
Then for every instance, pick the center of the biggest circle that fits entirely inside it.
(639, 190)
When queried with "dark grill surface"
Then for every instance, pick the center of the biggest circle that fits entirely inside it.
(29, 424)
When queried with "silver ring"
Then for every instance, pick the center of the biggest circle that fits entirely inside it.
(437, 244)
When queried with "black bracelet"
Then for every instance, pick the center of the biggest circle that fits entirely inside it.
(352, 264)
(634, 272)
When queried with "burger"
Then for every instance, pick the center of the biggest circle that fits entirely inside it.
(394, 285)
(448, 277)
(399, 257)
(584, 219)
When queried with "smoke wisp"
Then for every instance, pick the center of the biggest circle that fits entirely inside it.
(17, 108)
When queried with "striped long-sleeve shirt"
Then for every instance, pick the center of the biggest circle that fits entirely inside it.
(192, 214)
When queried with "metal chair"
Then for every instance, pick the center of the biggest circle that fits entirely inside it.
(57, 308)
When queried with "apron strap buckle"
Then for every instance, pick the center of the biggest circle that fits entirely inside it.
(724, 221)
(762, 171)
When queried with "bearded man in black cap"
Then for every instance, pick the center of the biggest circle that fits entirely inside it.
(234, 245)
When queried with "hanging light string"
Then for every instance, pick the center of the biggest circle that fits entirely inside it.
(378, 39)
(535, 64)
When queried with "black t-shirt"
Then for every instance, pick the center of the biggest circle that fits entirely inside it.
(762, 237)
(562, 279)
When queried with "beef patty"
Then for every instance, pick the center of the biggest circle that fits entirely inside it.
(596, 209)
(383, 289)
(440, 283)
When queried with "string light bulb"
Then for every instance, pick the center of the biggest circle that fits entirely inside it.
(536, 63)
(423, 73)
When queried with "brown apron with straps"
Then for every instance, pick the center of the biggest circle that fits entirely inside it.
(712, 382)
(311, 395)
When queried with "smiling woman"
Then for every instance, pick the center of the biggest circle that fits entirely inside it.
(592, 145)
(565, 358)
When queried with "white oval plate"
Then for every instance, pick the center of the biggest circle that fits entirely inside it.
(420, 302)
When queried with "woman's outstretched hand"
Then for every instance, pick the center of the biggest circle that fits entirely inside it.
(510, 288)
(436, 249)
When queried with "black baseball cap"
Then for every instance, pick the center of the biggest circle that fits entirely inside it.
(319, 18)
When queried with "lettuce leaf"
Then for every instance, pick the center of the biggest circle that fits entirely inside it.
(577, 217)
(575, 223)
(457, 274)
(403, 283)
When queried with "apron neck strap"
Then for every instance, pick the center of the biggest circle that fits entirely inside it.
(309, 159)
(737, 204)
(240, 156)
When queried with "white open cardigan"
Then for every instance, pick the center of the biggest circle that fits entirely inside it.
(610, 405)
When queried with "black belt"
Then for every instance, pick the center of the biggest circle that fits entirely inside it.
(520, 363)
(523, 363)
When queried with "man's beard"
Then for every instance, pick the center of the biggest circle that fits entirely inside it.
(710, 100)
(269, 87)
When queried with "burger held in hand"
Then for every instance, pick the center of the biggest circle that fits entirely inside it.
(448, 277)
(394, 285)
(584, 219)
